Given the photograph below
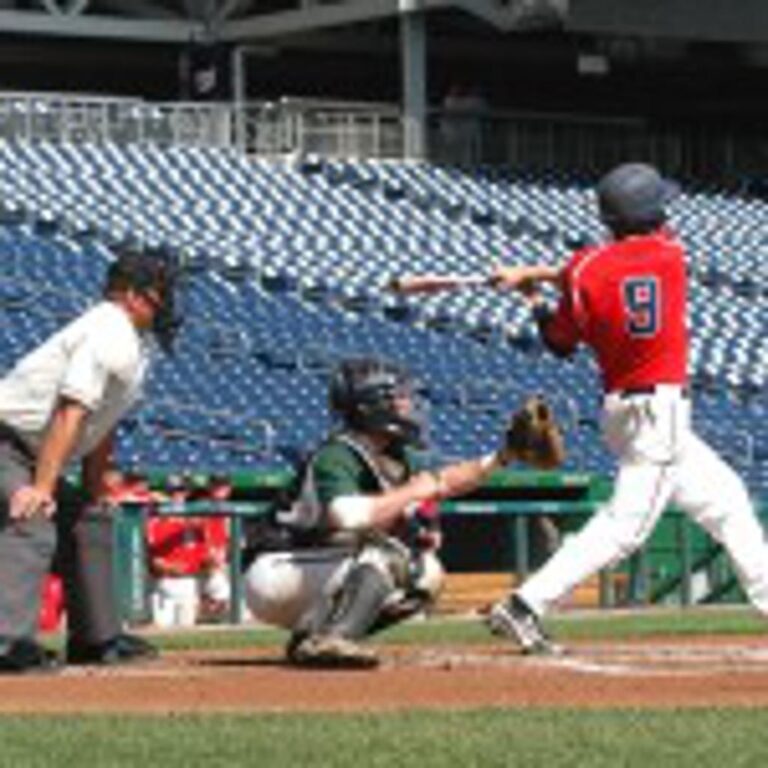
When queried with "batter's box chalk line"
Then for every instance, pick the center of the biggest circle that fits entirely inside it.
(620, 660)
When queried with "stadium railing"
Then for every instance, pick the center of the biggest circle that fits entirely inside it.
(334, 128)
(131, 573)
(683, 556)
(288, 125)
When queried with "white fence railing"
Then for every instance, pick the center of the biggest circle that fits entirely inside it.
(44, 117)
(286, 126)
(370, 130)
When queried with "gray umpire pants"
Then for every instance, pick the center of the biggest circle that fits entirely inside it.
(78, 544)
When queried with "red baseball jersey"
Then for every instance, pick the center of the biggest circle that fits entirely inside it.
(626, 300)
(184, 542)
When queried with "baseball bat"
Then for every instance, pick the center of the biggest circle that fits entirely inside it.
(433, 283)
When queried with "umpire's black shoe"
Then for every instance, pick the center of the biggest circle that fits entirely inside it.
(25, 656)
(121, 649)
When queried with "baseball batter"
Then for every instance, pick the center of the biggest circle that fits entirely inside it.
(626, 300)
(61, 402)
(364, 534)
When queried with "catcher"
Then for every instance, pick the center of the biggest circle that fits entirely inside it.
(359, 545)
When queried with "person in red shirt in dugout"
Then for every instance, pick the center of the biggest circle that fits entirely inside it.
(187, 559)
(214, 583)
(626, 300)
(130, 485)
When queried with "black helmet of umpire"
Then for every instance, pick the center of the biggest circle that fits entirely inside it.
(632, 199)
(142, 272)
(364, 392)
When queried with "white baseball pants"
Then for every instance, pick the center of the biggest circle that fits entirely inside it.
(661, 462)
(280, 587)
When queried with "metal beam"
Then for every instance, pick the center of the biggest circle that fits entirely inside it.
(413, 39)
(143, 9)
(157, 23)
(271, 25)
(505, 18)
(229, 8)
(98, 26)
(516, 15)
(71, 8)
(715, 20)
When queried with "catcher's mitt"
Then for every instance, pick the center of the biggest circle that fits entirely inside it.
(534, 437)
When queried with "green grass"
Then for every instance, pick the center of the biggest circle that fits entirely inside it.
(485, 738)
(482, 738)
(606, 625)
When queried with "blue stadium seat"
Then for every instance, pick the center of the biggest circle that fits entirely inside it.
(287, 265)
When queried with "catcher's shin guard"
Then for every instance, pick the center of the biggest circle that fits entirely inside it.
(327, 638)
(358, 606)
(353, 610)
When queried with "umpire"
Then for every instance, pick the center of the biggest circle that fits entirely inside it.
(61, 402)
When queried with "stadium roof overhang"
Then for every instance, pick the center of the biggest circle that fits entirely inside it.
(243, 21)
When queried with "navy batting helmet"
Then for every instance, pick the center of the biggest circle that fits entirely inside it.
(363, 393)
(632, 198)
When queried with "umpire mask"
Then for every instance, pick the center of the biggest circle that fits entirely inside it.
(155, 278)
(374, 396)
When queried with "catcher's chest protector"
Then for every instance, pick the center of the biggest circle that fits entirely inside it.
(307, 513)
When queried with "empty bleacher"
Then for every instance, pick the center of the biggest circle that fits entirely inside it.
(287, 264)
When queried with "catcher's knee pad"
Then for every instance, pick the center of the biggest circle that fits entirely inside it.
(389, 557)
(426, 584)
(430, 576)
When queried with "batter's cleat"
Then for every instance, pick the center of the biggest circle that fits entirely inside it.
(513, 619)
(330, 652)
(121, 649)
(26, 657)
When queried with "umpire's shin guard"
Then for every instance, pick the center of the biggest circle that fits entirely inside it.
(87, 565)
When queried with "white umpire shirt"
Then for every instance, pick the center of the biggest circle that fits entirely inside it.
(99, 360)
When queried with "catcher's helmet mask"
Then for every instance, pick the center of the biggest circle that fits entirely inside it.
(632, 198)
(366, 394)
(150, 275)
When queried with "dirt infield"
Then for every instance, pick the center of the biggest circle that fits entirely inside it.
(653, 673)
